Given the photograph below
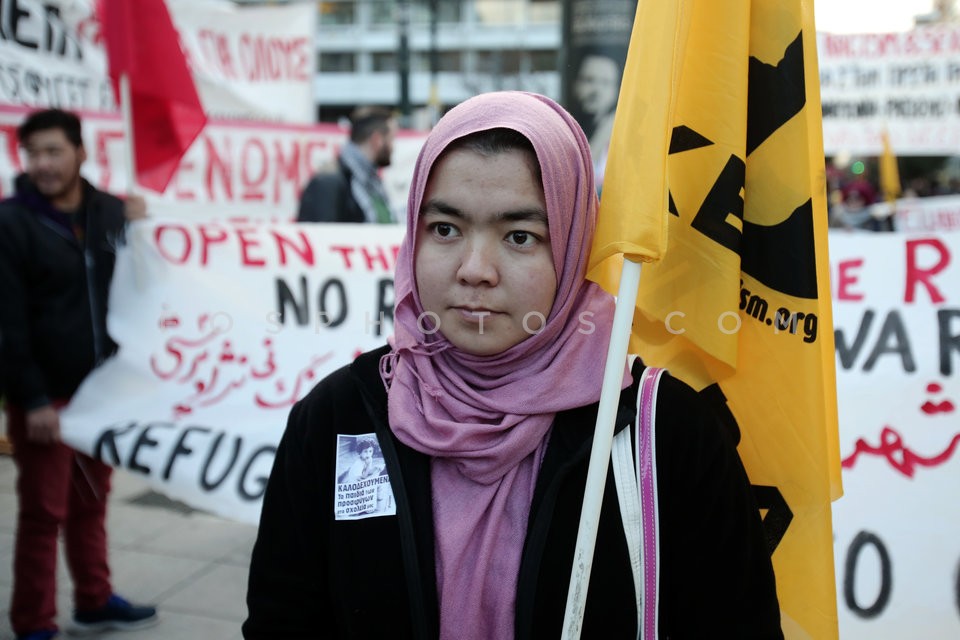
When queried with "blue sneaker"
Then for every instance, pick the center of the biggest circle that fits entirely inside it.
(45, 634)
(117, 614)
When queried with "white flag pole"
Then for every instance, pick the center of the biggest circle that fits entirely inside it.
(126, 110)
(600, 453)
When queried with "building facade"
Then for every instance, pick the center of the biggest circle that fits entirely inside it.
(455, 49)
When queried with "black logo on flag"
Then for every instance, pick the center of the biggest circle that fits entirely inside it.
(781, 256)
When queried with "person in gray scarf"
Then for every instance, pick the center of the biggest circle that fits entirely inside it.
(349, 190)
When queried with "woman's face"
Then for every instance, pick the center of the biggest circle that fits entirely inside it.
(484, 266)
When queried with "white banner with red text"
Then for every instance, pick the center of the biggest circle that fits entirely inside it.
(247, 170)
(250, 62)
(928, 215)
(247, 62)
(897, 527)
(258, 62)
(905, 83)
(222, 326)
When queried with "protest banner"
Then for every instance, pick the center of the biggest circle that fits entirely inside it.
(906, 83)
(49, 58)
(52, 55)
(928, 215)
(897, 321)
(247, 170)
(248, 62)
(222, 327)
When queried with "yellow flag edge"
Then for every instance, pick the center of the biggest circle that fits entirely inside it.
(818, 190)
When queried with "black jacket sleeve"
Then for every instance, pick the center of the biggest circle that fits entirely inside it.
(720, 581)
(285, 593)
(22, 377)
(324, 198)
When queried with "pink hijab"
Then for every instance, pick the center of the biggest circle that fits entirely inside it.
(485, 420)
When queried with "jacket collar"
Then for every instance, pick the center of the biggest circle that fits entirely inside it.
(366, 370)
(27, 195)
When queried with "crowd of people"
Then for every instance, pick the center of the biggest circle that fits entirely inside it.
(855, 202)
(471, 427)
(471, 423)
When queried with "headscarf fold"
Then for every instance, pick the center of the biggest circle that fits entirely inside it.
(485, 420)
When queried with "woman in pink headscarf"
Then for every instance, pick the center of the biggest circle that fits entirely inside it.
(483, 405)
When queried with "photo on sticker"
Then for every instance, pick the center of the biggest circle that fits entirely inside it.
(358, 458)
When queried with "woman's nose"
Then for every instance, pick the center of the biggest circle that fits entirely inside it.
(479, 264)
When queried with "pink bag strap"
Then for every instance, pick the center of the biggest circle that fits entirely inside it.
(634, 470)
(646, 458)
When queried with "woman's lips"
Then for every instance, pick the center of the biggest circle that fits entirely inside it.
(474, 314)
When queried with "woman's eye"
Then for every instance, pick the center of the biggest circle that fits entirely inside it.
(521, 237)
(443, 229)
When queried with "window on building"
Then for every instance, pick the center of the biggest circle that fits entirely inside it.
(447, 61)
(511, 12)
(385, 11)
(337, 62)
(512, 61)
(451, 61)
(499, 12)
(544, 11)
(337, 12)
(384, 61)
(543, 60)
(487, 61)
(499, 62)
(448, 11)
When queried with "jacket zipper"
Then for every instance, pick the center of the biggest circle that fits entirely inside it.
(98, 341)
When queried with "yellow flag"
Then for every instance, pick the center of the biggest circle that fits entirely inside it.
(739, 302)
(637, 181)
(889, 172)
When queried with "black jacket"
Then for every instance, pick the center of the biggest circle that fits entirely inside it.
(312, 576)
(327, 197)
(54, 287)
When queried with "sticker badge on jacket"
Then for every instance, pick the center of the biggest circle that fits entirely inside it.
(362, 488)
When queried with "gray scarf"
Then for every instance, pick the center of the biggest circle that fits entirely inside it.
(365, 185)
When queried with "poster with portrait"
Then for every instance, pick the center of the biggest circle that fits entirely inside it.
(596, 35)
(362, 489)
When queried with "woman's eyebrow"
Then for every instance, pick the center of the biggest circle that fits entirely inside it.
(525, 215)
(440, 207)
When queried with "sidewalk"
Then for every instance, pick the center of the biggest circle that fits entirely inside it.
(193, 566)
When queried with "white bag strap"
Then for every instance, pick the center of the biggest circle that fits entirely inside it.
(636, 482)
(628, 494)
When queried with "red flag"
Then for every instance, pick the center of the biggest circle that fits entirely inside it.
(167, 115)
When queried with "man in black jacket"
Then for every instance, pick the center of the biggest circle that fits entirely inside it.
(58, 237)
(349, 190)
